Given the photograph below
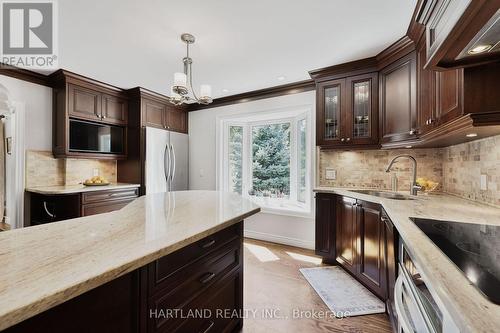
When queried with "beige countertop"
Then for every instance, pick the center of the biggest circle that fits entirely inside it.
(471, 311)
(73, 189)
(46, 265)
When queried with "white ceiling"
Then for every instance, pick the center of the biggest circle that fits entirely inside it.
(241, 45)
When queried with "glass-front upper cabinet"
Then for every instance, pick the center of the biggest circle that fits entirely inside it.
(347, 111)
(330, 118)
(363, 115)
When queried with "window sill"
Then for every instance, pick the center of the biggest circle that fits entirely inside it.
(286, 209)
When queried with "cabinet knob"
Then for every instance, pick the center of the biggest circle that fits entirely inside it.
(103, 117)
(342, 139)
(413, 131)
(348, 139)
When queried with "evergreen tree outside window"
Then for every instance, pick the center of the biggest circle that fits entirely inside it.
(235, 158)
(269, 160)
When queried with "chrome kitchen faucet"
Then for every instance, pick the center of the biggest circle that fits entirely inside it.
(414, 187)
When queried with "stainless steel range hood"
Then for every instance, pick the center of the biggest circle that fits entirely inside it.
(486, 41)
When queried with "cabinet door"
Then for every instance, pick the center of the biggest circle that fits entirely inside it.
(176, 119)
(391, 255)
(361, 109)
(370, 248)
(398, 114)
(114, 110)
(84, 103)
(154, 113)
(346, 233)
(330, 120)
(426, 92)
(449, 95)
(325, 225)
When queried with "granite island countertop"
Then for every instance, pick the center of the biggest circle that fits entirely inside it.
(45, 265)
(470, 309)
(73, 189)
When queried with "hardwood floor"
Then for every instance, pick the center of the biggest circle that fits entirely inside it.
(272, 281)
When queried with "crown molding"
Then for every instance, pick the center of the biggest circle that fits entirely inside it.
(286, 89)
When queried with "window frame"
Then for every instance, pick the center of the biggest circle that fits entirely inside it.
(247, 122)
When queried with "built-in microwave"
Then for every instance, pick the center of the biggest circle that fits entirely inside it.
(89, 137)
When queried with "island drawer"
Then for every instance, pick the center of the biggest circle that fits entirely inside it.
(216, 310)
(99, 196)
(163, 268)
(186, 283)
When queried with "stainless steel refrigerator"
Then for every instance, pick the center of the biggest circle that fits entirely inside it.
(166, 161)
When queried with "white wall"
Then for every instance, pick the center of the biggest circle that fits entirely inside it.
(38, 111)
(297, 231)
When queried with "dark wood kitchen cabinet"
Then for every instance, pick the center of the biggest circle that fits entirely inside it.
(371, 247)
(347, 112)
(160, 113)
(398, 102)
(360, 238)
(47, 208)
(88, 104)
(114, 110)
(84, 103)
(325, 227)
(346, 238)
(206, 275)
(77, 98)
(391, 256)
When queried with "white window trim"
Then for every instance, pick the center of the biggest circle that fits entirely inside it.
(292, 115)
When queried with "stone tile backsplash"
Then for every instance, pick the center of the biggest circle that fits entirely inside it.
(457, 168)
(366, 168)
(42, 169)
(464, 164)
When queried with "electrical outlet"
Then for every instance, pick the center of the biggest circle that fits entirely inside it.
(95, 172)
(484, 182)
(330, 174)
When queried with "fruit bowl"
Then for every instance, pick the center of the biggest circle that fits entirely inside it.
(96, 184)
(96, 181)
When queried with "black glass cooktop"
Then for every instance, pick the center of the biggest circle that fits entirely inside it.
(474, 248)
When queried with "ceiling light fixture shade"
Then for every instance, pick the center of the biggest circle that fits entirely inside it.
(182, 90)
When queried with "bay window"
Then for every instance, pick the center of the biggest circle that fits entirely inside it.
(268, 159)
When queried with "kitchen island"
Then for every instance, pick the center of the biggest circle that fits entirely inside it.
(121, 271)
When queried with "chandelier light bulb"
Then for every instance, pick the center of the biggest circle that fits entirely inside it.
(205, 91)
(180, 80)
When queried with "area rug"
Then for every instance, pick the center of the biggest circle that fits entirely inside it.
(342, 294)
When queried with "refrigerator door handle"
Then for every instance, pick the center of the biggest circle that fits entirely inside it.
(166, 164)
(172, 175)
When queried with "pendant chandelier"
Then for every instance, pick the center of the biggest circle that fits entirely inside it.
(182, 91)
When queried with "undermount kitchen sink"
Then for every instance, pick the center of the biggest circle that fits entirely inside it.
(384, 194)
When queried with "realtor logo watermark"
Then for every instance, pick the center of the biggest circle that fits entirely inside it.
(29, 34)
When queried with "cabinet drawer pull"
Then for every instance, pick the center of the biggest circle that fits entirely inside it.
(209, 327)
(207, 278)
(208, 244)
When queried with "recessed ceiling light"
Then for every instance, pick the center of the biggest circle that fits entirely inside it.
(471, 135)
(480, 49)
(408, 146)
(280, 78)
(225, 90)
